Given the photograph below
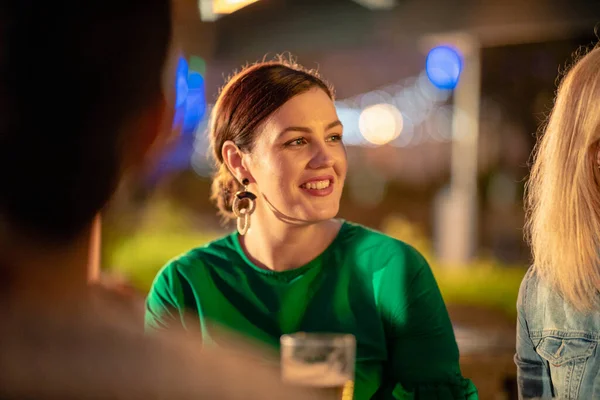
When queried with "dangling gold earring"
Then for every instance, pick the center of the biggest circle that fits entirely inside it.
(243, 213)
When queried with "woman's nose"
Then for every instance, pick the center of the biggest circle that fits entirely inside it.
(322, 157)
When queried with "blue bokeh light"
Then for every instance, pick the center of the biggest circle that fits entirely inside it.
(195, 103)
(181, 83)
(443, 67)
(190, 109)
(181, 92)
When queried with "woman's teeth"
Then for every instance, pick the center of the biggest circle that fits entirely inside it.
(316, 185)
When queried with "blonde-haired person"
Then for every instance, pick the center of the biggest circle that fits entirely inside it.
(558, 309)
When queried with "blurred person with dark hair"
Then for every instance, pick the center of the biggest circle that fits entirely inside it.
(558, 327)
(86, 96)
(292, 266)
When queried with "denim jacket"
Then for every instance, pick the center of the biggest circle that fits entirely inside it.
(557, 354)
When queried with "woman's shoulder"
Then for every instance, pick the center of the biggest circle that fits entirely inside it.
(535, 289)
(379, 248)
(396, 269)
(214, 252)
(547, 310)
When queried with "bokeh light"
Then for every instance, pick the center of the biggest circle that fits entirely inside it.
(349, 117)
(196, 102)
(380, 124)
(429, 91)
(181, 82)
(443, 66)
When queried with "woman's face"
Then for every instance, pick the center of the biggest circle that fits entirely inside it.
(299, 161)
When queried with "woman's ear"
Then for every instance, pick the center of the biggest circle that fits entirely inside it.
(235, 160)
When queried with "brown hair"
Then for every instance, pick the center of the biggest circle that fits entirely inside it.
(248, 99)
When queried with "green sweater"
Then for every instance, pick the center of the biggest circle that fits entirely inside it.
(365, 283)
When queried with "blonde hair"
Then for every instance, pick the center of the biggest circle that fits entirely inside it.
(562, 196)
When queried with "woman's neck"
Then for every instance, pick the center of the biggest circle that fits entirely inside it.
(279, 246)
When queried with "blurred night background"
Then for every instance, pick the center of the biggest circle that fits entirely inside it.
(440, 100)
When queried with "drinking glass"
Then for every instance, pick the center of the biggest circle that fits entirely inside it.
(323, 361)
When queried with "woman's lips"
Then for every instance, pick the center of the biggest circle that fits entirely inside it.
(319, 186)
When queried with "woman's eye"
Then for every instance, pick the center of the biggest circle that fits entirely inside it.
(335, 138)
(296, 142)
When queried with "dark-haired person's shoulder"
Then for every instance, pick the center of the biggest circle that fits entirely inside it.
(97, 353)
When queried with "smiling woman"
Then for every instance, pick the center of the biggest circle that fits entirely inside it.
(292, 266)
(298, 163)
